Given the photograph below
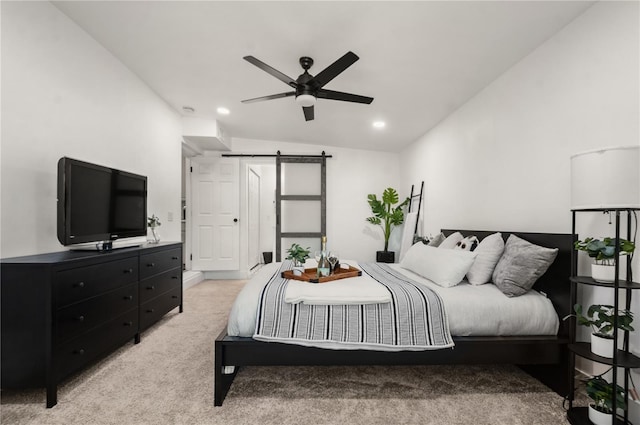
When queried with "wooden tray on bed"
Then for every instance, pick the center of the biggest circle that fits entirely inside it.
(310, 275)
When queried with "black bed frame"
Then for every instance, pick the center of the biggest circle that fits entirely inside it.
(543, 357)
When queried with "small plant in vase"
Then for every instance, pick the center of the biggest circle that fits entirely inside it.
(603, 252)
(154, 222)
(601, 319)
(602, 394)
(299, 255)
(386, 215)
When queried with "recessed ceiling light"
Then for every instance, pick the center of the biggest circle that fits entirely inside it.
(223, 111)
(379, 124)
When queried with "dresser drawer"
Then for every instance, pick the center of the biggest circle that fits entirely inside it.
(152, 311)
(159, 284)
(161, 261)
(78, 352)
(83, 316)
(84, 282)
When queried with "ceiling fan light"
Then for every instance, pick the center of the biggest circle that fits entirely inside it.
(306, 100)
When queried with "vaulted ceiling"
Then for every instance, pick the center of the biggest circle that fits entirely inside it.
(420, 61)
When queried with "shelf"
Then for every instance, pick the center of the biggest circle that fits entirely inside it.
(580, 416)
(623, 284)
(627, 360)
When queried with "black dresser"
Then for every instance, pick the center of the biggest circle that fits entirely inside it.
(64, 310)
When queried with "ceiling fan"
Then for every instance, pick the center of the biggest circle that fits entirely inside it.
(309, 88)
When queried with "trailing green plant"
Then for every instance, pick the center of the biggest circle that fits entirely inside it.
(601, 319)
(602, 393)
(385, 214)
(298, 254)
(604, 251)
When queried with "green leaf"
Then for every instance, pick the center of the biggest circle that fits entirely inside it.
(390, 196)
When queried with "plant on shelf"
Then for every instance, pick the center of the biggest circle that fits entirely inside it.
(386, 214)
(154, 222)
(604, 254)
(602, 394)
(299, 255)
(601, 320)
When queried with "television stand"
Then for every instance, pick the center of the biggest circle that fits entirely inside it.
(108, 245)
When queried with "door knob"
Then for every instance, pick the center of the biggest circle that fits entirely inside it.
(235, 220)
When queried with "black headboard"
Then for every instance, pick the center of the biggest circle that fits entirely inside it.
(555, 282)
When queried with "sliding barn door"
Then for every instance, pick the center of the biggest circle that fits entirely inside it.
(301, 202)
(215, 213)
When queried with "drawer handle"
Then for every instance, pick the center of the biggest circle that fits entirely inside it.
(174, 296)
(128, 323)
(80, 318)
(151, 265)
(174, 258)
(151, 310)
(151, 288)
(79, 285)
(128, 297)
(174, 277)
(128, 270)
(80, 351)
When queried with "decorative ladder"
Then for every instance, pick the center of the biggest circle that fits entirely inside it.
(412, 203)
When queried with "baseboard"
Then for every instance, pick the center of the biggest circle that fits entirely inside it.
(191, 278)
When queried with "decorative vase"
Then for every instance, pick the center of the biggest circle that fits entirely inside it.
(606, 274)
(602, 347)
(155, 236)
(298, 268)
(599, 418)
(385, 256)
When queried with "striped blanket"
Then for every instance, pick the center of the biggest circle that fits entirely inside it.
(414, 320)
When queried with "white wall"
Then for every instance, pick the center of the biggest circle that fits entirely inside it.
(502, 160)
(351, 176)
(65, 95)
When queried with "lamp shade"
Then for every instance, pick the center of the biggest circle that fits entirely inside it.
(606, 178)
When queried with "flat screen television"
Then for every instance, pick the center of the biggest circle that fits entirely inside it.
(99, 204)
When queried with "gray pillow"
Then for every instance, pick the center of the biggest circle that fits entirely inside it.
(436, 240)
(521, 264)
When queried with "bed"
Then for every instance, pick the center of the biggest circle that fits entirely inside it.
(545, 357)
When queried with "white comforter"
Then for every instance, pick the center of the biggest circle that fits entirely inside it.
(472, 310)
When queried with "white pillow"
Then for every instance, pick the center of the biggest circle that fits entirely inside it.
(489, 251)
(445, 267)
(451, 240)
(470, 243)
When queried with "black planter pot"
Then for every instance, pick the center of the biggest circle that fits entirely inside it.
(268, 257)
(385, 256)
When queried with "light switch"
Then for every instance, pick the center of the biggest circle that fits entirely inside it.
(169, 216)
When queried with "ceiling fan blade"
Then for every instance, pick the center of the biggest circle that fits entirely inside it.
(270, 97)
(332, 71)
(308, 112)
(279, 75)
(347, 97)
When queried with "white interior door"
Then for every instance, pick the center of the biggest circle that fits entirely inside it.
(215, 192)
(253, 185)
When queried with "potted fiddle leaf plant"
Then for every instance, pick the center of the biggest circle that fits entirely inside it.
(387, 213)
(299, 255)
(602, 394)
(603, 253)
(601, 319)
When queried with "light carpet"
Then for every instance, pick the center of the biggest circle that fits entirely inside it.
(168, 379)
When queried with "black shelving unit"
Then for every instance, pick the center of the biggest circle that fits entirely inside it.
(621, 358)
